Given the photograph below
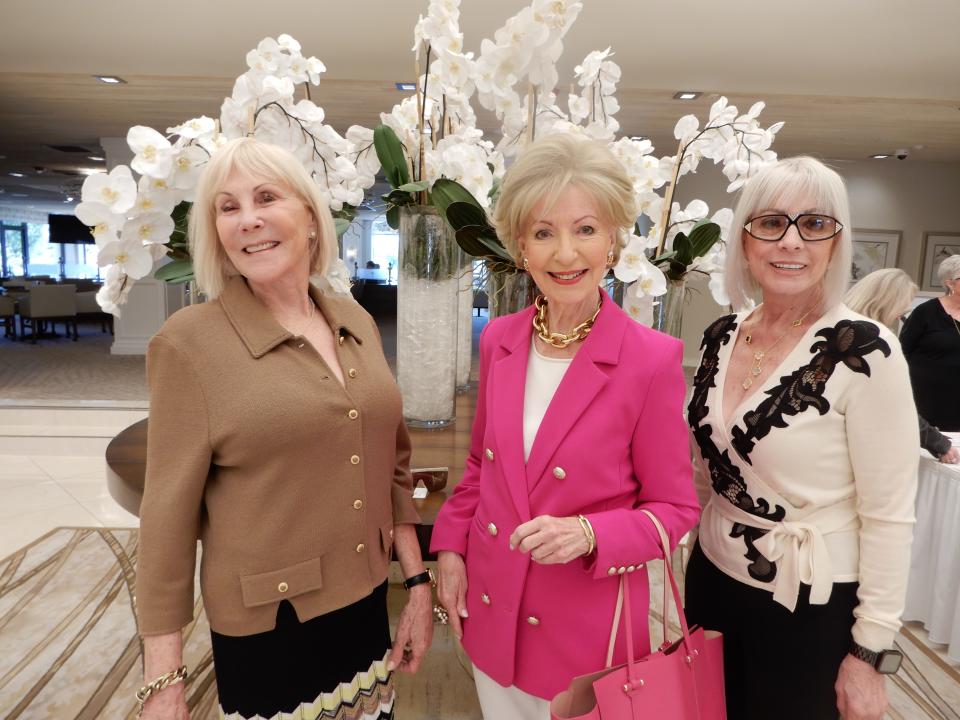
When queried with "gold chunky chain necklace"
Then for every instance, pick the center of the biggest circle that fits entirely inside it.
(560, 340)
(759, 355)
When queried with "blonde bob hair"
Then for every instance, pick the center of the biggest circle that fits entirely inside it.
(777, 186)
(545, 169)
(883, 295)
(211, 266)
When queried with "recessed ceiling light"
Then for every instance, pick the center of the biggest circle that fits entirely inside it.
(89, 171)
(95, 158)
(17, 174)
(880, 156)
(687, 95)
(110, 79)
(69, 200)
(406, 86)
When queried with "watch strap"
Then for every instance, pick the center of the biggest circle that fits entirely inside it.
(861, 653)
(425, 577)
(885, 662)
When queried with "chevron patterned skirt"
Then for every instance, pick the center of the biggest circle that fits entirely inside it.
(332, 667)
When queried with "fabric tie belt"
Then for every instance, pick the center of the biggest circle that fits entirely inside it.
(798, 546)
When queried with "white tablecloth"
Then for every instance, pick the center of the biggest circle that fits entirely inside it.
(933, 592)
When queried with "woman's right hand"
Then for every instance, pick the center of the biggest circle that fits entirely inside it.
(169, 704)
(951, 456)
(452, 588)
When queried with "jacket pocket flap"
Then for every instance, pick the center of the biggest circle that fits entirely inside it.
(276, 585)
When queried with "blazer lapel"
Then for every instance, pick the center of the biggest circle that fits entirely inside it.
(580, 386)
(509, 380)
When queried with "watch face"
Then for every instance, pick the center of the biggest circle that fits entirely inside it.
(889, 662)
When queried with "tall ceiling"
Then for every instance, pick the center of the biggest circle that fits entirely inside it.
(850, 78)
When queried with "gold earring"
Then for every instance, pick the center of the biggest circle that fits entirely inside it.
(609, 258)
(526, 264)
(312, 235)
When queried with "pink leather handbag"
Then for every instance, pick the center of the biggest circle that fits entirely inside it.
(683, 680)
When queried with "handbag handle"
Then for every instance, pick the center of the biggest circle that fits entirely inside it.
(623, 604)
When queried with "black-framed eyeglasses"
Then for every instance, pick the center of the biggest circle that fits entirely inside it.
(812, 227)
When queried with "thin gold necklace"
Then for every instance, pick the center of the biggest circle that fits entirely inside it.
(560, 340)
(759, 355)
(310, 316)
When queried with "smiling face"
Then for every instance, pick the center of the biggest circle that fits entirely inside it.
(264, 228)
(788, 267)
(566, 250)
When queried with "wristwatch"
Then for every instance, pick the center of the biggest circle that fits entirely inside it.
(886, 662)
(425, 576)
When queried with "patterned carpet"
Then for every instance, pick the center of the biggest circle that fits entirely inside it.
(71, 649)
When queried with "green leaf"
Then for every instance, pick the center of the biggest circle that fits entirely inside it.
(664, 257)
(445, 192)
(683, 248)
(341, 224)
(393, 217)
(413, 187)
(702, 238)
(176, 271)
(391, 155)
(398, 197)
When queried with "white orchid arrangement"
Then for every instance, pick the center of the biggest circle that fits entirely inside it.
(136, 222)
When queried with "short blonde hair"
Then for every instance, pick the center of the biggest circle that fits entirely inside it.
(948, 270)
(211, 266)
(776, 185)
(883, 295)
(545, 169)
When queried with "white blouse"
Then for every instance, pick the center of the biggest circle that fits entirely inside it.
(814, 480)
(543, 378)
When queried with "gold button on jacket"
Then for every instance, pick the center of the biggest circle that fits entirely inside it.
(489, 454)
(492, 529)
(559, 473)
(533, 620)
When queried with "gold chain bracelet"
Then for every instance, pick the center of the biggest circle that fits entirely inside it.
(162, 682)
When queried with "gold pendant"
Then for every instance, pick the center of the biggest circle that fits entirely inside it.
(755, 371)
(747, 383)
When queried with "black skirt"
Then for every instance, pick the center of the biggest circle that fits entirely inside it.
(332, 665)
(776, 664)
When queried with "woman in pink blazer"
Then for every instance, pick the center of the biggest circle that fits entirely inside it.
(579, 424)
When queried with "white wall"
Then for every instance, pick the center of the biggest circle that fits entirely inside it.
(910, 196)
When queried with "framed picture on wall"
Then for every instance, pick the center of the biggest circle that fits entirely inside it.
(873, 250)
(937, 247)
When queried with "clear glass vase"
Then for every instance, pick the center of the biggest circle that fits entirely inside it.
(668, 311)
(510, 292)
(464, 321)
(427, 313)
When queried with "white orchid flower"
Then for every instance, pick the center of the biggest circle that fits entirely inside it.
(315, 69)
(336, 280)
(104, 224)
(718, 288)
(633, 260)
(285, 42)
(686, 128)
(152, 227)
(153, 152)
(117, 190)
(132, 258)
(193, 129)
(639, 305)
(187, 167)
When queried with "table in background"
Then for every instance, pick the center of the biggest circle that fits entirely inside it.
(933, 592)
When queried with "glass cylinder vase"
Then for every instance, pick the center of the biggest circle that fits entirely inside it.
(427, 310)
(668, 310)
(510, 292)
(464, 321)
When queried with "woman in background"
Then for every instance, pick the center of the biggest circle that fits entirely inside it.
(886, 295)
(931, 343)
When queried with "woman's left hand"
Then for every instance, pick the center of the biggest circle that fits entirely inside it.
(861, 690)
(550, 540)
(414, 631)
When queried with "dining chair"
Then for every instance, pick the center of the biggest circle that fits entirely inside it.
(48, 303)
(8, 316)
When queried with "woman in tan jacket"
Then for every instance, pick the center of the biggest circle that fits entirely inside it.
(276, 438)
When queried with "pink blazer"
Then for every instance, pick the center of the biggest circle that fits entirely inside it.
(614, 439)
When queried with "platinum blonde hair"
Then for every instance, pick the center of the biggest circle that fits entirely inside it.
(211, 266)
(883, 295)
(776, 186)
(545, 169)
(948, 270)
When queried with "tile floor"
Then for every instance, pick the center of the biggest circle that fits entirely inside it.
(39, 493)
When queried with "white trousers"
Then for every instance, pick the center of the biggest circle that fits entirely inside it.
(507, 703)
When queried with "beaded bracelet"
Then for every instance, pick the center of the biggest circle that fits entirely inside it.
(162, 682)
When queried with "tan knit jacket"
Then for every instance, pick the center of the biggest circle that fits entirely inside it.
(291, 481)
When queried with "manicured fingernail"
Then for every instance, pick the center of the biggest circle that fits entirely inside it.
(464, 613)
(391, 666)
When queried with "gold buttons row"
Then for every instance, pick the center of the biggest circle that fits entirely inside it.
(532, 620)
(614, 570)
